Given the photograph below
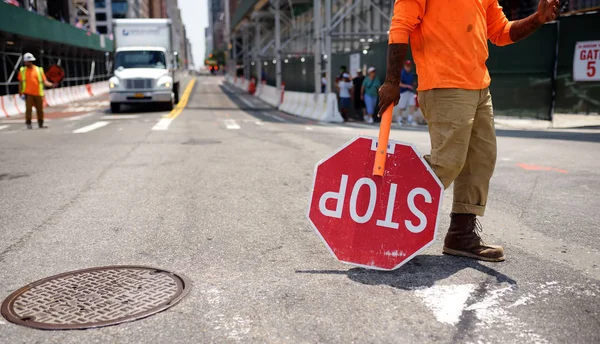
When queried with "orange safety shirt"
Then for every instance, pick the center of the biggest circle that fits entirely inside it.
(448, 39)
(32, 81)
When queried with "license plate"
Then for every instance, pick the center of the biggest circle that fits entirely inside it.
(139, 95)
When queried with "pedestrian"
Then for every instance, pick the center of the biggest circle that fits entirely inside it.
(369, 90)
(359, 104)
(449, 43)
(343, 70)
(407, 104)
(32, 82)
(323, 83)
(345, 90)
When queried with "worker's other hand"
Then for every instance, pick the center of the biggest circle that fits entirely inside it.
(389, 95)
(548, 10)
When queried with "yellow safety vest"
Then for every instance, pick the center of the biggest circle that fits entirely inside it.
(40, 71)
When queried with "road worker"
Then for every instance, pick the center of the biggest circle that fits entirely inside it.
(449, 44)
(32, 82)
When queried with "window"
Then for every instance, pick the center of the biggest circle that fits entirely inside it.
(119, 9)
(140, 59)
(101, 17)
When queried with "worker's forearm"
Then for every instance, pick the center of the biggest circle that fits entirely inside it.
(524, 27)
(395, 59)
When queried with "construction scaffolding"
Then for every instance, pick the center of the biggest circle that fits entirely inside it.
(301, 42)
(276, 32)
(81, 66)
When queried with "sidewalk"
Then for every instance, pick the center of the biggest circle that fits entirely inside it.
(560, 121)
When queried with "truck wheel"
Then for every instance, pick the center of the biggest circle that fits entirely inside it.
(115, 107)
(176, 91)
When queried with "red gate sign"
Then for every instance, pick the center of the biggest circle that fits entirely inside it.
(55, 74)
(370, 221)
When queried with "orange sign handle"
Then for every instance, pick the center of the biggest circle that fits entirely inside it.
(382, 142)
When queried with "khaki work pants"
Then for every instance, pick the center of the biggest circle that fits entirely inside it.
(463, 143)
(38, 103)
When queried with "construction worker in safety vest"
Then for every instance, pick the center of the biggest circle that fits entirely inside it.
(32, 81)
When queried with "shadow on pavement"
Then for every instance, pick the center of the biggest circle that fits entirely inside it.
(232, 108)
(550, 135)
(421, 271)
(139, 108)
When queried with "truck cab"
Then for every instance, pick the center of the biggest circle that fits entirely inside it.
(146, 69)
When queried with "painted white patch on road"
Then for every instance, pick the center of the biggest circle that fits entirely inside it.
(258, 123)
(3, 127)
(308, 128)
(91, 127)
(163, 124)
(231, 124)
(446, 301)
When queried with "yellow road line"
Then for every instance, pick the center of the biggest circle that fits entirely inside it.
(185, 97)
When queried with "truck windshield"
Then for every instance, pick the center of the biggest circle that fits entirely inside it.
(140, 59)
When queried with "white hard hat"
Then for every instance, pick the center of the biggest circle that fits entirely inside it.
(28, 57)
(371, 69)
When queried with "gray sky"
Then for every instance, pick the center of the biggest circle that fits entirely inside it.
(195, 17)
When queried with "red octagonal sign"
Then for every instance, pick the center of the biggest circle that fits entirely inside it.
(375, 222)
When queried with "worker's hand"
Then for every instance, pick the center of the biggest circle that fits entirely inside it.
(548, 10)
(389, 95)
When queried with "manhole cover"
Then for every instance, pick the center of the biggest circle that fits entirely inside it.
(94, 297)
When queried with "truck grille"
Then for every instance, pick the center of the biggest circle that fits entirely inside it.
(138, 84)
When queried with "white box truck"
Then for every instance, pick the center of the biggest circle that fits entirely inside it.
(146, 67)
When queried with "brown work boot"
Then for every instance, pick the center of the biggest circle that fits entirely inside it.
(463, 239)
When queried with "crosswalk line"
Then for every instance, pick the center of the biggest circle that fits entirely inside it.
(3, 127)
(91, 127)
(163, 124)
(231, 124)
(80, 117)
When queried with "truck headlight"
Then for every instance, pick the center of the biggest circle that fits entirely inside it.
(164, 84)
(113, 83)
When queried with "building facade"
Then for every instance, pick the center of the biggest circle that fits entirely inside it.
(216, 26)
(107, 10)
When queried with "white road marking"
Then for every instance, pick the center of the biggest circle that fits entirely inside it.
(120, 116)
(258, 123)
(231, 124)
(308, 128)
(344, 128)
(91, 127)
(3, 127)
(246, 102)
(506, 159)
(80, 117)
(163, 124)
(277, 118)
(19, 121)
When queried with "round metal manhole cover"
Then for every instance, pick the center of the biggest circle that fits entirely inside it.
(94, 297)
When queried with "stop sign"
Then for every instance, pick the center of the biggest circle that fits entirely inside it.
(370, 221)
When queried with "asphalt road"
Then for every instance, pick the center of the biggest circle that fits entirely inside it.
(220, 195)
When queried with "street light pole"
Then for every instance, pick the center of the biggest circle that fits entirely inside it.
(318, 29)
